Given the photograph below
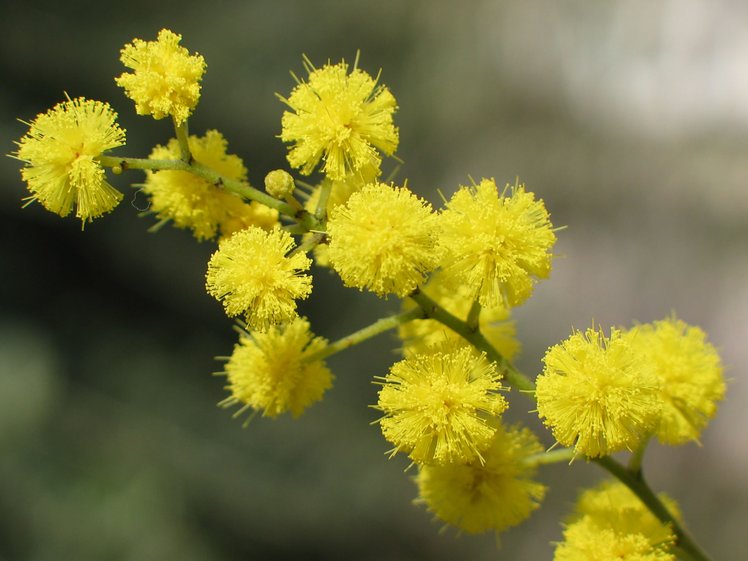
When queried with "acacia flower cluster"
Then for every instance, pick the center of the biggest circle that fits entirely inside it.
(610, 522)
(458, 270)
(60, 153)
(165, 78)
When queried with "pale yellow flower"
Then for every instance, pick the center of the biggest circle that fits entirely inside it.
(253, 276)
(340, 118)
(492, 495)
(690, 373)
(496, 244)
(166, 77)
(596, 394)
(60, 151)
(437, 406)
(383, 239)
(272, 371)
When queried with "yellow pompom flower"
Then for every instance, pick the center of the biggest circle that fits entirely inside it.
(420, 335)
(613, 504)
(495, 244)
(690, 374)
(383, 239)
(584, 540)
(437, 406)
(192, 202)
(610, 523)
(252, 275)
(60, 151)
(491, 496)
(596, 394)
(340, 118)
(166, 77)
(274, 371)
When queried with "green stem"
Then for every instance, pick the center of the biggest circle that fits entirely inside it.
(379, 326)
(637, 457)
(473, 318)
(688, 550)
(241, 188)
(552, 457)
(436, 312)
(324, 196)
(183, 139)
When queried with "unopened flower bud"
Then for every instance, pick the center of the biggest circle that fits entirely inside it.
(279, 183)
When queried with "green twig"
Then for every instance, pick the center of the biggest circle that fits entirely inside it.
(183, 139)
(436, 312)
(688, 550)
(379, 326)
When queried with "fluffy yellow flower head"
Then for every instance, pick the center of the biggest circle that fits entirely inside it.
(60, 151)
(436, 406)
(339, 117)
(420, 335)
(597, 394)
(480, 497)
(690, 373)
(496, 245)
(614, 505)
(272, 372)
(611, 524)
(166, 77)
(196, 204)
(584, 540)
(252, 275)
(383, 239)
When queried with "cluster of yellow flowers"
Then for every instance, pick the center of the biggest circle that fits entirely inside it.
(458, 270)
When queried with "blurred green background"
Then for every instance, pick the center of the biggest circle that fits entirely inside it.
(631, 121)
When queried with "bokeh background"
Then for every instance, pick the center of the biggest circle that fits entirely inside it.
(630, 119)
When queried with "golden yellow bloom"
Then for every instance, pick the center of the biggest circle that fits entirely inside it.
(271, 372)
(597, 394)
(586, 541)
(339, 118)
(496, 245)
(420, 335)
(690, 373)
(252, 275)
(383, 239)
(613, 504)
(495, 495)
(436, 406)
(610, 523)
(166, 77)
(60, 151)
(196, 204)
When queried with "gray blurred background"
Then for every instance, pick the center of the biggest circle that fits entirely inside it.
(630, 119)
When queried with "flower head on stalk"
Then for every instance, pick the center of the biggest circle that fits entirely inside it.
(492, 495)
(165, 78)
(496, 244)
(339, 117)
(60, 150)
(253, 275)
(192, 202)
(383, 239)
(596, 394)
(272, 371)
(611, 524)
(437, 406)
(690, 373)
